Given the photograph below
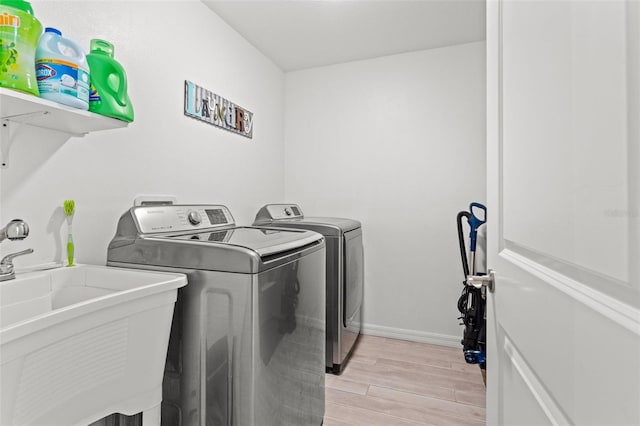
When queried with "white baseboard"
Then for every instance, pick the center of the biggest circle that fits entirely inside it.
(412, 335)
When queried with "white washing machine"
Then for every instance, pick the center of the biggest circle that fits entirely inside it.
(248, 334)
(345, 274)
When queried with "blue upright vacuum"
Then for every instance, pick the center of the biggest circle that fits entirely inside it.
(472, 302)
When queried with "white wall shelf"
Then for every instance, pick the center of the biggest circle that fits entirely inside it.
(24, 108)
(17, 108)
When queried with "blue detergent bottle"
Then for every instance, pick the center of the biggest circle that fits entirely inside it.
(62, 70)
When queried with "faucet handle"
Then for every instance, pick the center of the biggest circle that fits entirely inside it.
(8, 258)
(6, 264)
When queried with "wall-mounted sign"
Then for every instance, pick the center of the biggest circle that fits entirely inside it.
(205, 105)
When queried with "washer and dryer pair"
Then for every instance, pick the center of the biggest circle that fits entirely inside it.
(248, 338)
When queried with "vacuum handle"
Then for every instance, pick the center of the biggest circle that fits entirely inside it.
(475, 222)
(463, 249)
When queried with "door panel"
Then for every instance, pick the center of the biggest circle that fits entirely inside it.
(583, 353)
(524, 387)
(562, 107)
(564, 117)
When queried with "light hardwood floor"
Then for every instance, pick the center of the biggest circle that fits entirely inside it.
(391, 382)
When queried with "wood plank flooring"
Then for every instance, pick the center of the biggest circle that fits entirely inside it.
(391, 382)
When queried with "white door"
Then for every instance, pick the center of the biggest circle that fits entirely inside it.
(563, 90)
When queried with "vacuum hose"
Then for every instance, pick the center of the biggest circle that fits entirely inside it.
(463, 249)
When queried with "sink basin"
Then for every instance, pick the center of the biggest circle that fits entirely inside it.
(80, 343)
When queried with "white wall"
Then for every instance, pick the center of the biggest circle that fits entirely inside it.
(160, 44)
(399, 143)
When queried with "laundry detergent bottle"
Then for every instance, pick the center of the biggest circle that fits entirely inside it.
(19, 33)
(62, 70)
(108, 94)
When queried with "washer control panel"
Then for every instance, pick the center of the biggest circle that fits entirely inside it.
(284, 211)
(172, 218)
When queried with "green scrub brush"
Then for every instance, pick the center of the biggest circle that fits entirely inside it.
(69, 209)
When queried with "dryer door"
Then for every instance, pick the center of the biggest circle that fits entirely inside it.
(353, 278)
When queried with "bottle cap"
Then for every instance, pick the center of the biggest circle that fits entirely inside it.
(101, 46)
(25, 6)
(52, 30)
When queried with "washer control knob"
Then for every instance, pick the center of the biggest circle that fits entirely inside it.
(194, 217)
(287, 211)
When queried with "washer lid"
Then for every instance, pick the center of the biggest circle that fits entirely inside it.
(327, 226)
(203, 237)
(265, 242)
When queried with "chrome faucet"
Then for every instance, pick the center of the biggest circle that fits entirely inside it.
(6, 265)
(15, 230)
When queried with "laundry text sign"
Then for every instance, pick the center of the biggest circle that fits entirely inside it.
(205, 105)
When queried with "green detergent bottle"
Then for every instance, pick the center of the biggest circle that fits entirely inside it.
(108, 94)
(19, 34)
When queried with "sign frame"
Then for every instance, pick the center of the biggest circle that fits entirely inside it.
(204, 105)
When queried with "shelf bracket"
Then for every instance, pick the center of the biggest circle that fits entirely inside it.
(8, 129)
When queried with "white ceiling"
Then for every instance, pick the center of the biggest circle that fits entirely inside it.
(297, 34)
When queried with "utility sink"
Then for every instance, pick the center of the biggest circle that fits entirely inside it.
(80, 343)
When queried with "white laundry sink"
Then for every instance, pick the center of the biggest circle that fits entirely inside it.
(80, 343)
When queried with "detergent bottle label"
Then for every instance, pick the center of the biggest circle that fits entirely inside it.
(58, 76)
(9, 54)
(19, 32)
(94, 96)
